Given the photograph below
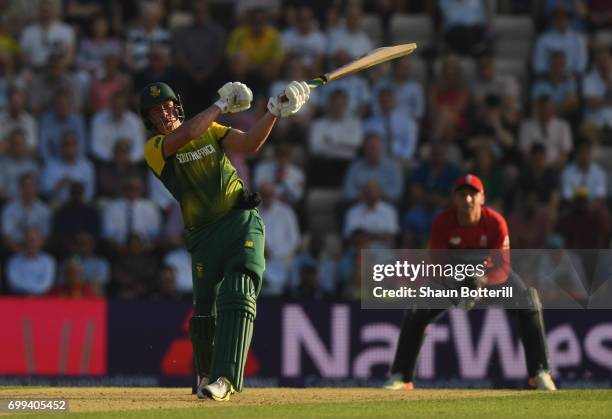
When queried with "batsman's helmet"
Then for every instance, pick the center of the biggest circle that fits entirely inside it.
(154, 94)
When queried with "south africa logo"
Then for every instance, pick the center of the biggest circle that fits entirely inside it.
(154, 91)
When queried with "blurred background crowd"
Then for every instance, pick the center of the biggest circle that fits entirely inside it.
(518, 92)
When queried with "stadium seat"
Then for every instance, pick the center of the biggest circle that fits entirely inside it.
(513, 27)
(603, 38)
(603, 156)
(321, 206)
(511, 67)
(468, 68)
(372, 25)
(519, 49)
(406, 28)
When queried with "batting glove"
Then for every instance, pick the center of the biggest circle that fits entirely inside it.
(234, 97)
(291, 100)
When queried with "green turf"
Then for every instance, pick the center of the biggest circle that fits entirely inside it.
(562, 404)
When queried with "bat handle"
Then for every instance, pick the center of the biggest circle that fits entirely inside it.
(313, 84)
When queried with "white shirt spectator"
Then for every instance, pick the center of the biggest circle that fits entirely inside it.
(122, 217)
(11, 171)
(595, 87)
(556, 138)
(594, 179)
(399, 132)
(139, 43)
(382, 219)
(356, 89)
(39, 43)
(56, 170)
(16, 218)
(572, 43)
(408, 97)
(105, 131)
(30, 275)
(180, 261)
(290, 186)
(282, 241)
(355, 43)
(308, 46)
(336, 138)
(24, 122)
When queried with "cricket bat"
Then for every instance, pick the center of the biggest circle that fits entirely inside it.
(375, 57)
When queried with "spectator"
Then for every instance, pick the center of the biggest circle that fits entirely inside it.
(146, 35)
(56, 122)
(199, 51)
(73, 218)
(355, 87)
(491, 91)
(560, 38)
(464, 24)
(349, 274)
(560, 86)
(577, 10)
(377, 218)
(260, 42)
(600, 14)
(548, 130)
(24, 211)
(95, 269)
(114, 124)
(17, 118)
(315, 254)
(350, 38)
(584, 173)
(110, 82)
(159, 68)
(14, 164)
(529, 223)
(542, 178)
(399, 131)
(166, 289)
(10, 79)
(73, 285)
(287, 178)
(134, 271)
(80, 13)
(429, 191)
(44, 87)
(597, 93)
(584, 226)
(48, 37)
(374, 166)
(179, 260)
(69, 167)
(282, 240)
(408, 92)
(111, 174)
(131, 214)
(333, 142)
(31, 271)
(304, 39)
(97, 47)
(487, 168)
(448, 100)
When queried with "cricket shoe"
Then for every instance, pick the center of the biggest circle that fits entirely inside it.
(396, 382)
(220, 390)
(202, 382)
(542, 381)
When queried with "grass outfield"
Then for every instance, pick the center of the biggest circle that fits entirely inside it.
(172, 403)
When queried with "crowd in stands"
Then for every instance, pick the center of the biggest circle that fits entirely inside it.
(367, 163)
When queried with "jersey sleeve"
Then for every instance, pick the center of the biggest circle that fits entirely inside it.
(501, 257)
(154, 154)
(218, 131)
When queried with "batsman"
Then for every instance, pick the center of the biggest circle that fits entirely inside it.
(223, 230)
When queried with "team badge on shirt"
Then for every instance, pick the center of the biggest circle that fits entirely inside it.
(455, 241)
(199, 269)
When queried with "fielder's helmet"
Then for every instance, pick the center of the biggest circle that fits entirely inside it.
(154, 94)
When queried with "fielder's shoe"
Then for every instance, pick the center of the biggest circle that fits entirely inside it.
(220, 390)
(542, 381)
(396, 382)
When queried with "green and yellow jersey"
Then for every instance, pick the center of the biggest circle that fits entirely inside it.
(199, 175)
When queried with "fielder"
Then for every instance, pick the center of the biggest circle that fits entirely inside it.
(223, 229)
(468, 224)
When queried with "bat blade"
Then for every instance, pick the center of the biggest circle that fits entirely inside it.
(371, 59)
